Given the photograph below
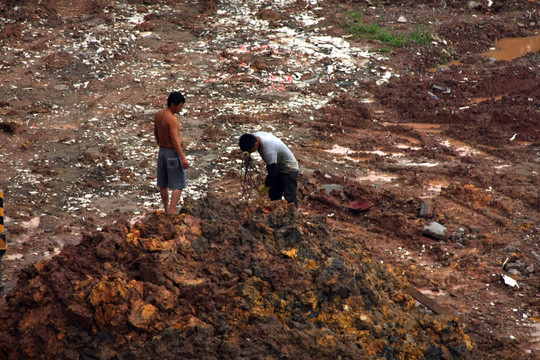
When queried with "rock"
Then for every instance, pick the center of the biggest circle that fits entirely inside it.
(515, 265)
(142, 315)
(514, 272)
(474, 229)
(427, 209)
(474, 5)
(457, 236)
(434, 230)
(329, 188)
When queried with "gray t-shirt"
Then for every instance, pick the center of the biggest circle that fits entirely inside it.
(274, 151)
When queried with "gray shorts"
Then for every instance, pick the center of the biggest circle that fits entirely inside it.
(169, 170)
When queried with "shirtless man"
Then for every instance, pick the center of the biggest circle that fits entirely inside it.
(172, 163)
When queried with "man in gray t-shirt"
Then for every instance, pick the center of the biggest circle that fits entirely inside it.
(280, 162)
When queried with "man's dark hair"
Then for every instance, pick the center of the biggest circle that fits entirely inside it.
(247, 142)
(175, 98)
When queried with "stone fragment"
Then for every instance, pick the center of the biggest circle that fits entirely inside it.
(427, 209)
(142, 315)
(402, 19)
(474, 5)
(435, 230)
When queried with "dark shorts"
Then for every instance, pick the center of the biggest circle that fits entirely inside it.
(169, 170)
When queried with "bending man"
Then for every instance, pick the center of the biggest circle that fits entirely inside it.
(281, 165)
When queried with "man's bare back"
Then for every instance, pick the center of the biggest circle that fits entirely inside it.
(166, 131)
(164, 125)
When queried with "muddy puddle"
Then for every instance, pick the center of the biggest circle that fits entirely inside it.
(434, 188)
(376, 177)
(421, 127)
(513, 48)
(507, 49)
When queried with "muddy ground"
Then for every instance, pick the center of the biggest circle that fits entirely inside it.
(422, 138)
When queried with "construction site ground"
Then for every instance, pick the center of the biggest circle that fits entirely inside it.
(446, 132)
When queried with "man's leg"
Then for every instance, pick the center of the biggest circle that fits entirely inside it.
(276, 190)
(290, 186)
(164, 191)
(175, 198)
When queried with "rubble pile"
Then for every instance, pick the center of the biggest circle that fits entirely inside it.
(221, 280)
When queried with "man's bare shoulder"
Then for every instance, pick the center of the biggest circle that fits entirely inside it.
(159, 114)
(165, 116)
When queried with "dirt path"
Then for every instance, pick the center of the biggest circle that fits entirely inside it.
(80, 84)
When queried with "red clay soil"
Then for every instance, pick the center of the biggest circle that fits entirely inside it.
(94, 269)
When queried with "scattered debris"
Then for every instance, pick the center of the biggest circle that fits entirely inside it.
(509, 281)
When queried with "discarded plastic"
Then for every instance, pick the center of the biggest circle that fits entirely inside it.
(360, 204)
(509, 281)
(441, 89)
(433, 95)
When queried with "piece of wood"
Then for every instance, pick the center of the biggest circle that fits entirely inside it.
(429, 303)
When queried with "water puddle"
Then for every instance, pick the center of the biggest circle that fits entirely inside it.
(344, 152)
(434, 188)
(50, 254)
(340, 150)
(421, 127)
(412, 140)
(402, 159)
(461, 148)
(409, 147)
(482, 99)
(63, 126)
(432, 293)
(376, 177)
(32, 224)
(9, 256)
(508, 49)
(428, 164)
(512, 48)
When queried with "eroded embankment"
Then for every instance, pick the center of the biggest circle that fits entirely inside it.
(220, 280)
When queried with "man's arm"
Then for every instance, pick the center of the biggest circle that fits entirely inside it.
(156, 130)
(177, 143)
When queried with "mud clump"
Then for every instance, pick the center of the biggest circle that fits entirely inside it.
(220, 280)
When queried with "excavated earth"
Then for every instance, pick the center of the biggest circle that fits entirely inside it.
(441, 140)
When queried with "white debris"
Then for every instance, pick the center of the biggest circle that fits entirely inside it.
(509, 281)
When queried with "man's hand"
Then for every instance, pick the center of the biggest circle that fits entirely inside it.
(185, 163)
(263, 189)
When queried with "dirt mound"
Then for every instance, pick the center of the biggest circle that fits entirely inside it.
(221, 280)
